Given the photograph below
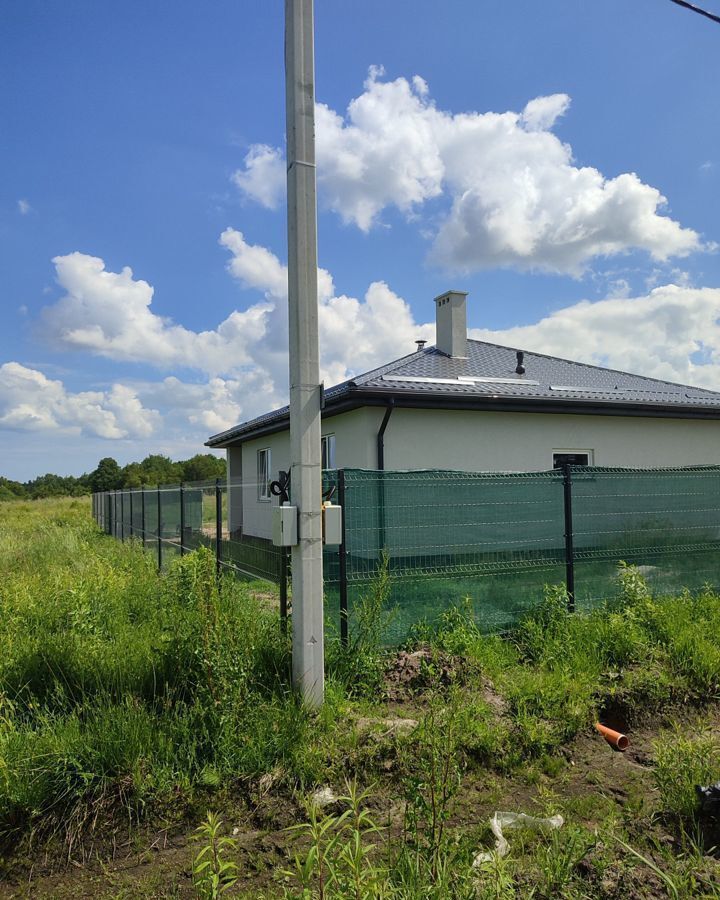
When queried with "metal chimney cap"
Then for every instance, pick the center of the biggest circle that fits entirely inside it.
(520, 368)
(420, 345)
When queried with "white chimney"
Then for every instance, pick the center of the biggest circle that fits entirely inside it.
(451, 323)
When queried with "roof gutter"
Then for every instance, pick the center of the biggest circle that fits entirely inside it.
(381, 434)
(494, 403)
(357, 397)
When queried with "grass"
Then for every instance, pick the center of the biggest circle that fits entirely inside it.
(121, 684)
(133, 696)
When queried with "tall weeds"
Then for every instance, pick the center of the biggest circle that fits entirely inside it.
(120, 686)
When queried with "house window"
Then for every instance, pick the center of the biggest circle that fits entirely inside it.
(263, 474)
(328, 451)
(572, 458)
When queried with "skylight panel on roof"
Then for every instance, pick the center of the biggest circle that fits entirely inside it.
(460, 380)
(588, 390)
(481, 379)
(421, 379)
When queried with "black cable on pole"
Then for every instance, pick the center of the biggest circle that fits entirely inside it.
(696, 9)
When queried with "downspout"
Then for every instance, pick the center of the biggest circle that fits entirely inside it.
(382, 540)
(381, 434)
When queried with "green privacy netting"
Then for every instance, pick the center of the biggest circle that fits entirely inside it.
(491, 541)
(494, 541)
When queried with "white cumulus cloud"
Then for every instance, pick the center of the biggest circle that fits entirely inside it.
(263, 178)
(242, 364)
(108, 313)
(514, 196)
(29, 401)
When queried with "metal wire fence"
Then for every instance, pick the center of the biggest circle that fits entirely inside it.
(174, 519)
(490, 541)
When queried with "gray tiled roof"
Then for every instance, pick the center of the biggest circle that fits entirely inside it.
(430, 373)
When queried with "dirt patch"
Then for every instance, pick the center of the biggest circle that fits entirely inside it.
(412, 672)
(494, 700)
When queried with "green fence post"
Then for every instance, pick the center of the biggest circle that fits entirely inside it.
(142, 511)
(122, 515)
(132, 530)
(218, 526)
(182, 519)
(342, 550)
(569, 548)
(159, 529)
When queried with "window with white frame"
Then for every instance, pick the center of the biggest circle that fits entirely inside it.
(263, 474)
(572, 458)
(328, 451)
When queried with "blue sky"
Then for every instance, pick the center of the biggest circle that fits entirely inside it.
(519, 151)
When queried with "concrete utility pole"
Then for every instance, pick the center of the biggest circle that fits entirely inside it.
(308, 650)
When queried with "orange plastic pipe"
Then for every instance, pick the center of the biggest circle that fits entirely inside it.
(616, 740)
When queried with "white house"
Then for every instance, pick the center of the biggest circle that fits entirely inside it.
(474, 406)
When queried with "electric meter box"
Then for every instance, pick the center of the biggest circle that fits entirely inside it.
(332, 524)
(285, 526)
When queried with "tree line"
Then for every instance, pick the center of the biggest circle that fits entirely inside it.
(110, 475)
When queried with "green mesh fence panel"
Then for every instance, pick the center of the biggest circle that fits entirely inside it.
(107, 513)
(666, 521)
(115, 516)
(246, 554)
(199, 516)
(192, 519)
(151, 516)
(331, 561)
(124, 515)
(493, 540)
(136, 514)
(170, 519)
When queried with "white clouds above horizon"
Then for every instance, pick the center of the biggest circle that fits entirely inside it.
(29, 401)
(242, 364)
(516, 198)
(671, 332)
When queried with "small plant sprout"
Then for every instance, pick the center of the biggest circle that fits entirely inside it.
(213, 872)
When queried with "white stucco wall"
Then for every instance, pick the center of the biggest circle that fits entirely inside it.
(524, 442)
(234, 478)
(483, 442)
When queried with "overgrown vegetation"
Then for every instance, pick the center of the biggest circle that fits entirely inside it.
(123, 688)
(128, 695)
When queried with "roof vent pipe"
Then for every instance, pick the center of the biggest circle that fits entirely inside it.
(420, 345)
(520, 368)
(451, 324)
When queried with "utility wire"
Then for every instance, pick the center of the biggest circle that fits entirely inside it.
(697, 9)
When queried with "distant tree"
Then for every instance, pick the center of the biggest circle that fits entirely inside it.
(50, 485)
(12, 490)
(158, 469)
(203, 467)
(107, 476)
(133, 476)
